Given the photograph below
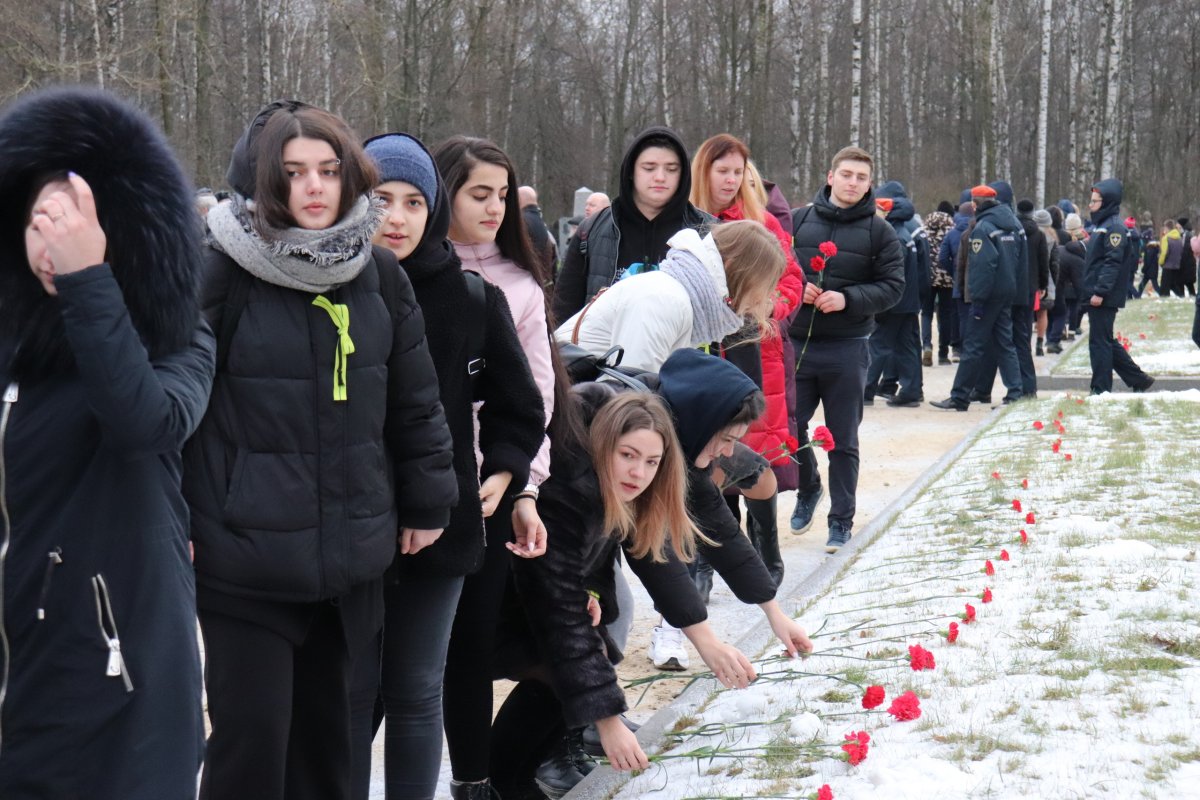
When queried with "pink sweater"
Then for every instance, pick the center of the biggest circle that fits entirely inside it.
(527, 302)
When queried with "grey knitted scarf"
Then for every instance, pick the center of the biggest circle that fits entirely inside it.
(296, 258)
(712, 318)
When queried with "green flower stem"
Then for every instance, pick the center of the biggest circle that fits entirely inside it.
(812, 318)
(868, 624)
(905, 604)
(877, 589)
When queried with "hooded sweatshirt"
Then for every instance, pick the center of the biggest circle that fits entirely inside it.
(613, 239)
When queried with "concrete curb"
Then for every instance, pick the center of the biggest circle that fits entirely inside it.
(604, 782)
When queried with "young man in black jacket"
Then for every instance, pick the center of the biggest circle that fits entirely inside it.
(830, 332)
(1105, 275)
(656, 178)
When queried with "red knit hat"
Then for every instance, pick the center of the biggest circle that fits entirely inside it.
(983, 190)
(884, 203)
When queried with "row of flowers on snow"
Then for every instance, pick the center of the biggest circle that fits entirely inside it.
(886, 657)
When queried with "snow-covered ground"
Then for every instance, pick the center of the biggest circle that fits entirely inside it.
(1079, 679)
(1159, 333)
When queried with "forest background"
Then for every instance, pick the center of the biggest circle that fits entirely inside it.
(1049, 94)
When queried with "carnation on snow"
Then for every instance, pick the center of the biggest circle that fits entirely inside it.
(873, 697)
(906, 707)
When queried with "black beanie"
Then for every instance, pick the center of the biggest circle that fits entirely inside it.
(1025, 205)
(945, 207)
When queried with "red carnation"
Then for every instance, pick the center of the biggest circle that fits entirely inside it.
(873, 698)
(816, 263)
(1141, 336)
(988, 569)
(919, 658)
(1029, 518)
(1078, 401)
(1037, 425)
(824, 793)
(1060, 414)
(1057, 444)
(1067, 456)
(996, 476)
(969, 616)
(1025, 483)
(1016, 504)
(824, 437)
(952, 634)
(1004, 555)
(792, 444)
(1024, 538)
(987, 594)
(828, 249)
(905, 707)
(856, 747)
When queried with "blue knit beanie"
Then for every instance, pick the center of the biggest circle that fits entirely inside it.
(400, 157)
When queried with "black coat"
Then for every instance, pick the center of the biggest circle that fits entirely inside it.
(511, 419)
(1107, 262)
(295, 497)
(1037, 271)
(545, 619)
(116, 377)
(868, 268)
(995, 256)
(1070, 270)
(615, 237)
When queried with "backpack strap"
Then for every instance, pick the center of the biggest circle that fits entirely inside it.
(798, 217)
(477, 313)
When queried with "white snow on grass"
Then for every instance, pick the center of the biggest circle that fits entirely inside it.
(1081, 679)
(1159, 331)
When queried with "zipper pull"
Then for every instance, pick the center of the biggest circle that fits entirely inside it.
(55, 558)
(10, 393)
(116, 664)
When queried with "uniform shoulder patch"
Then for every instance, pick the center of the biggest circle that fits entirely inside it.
(1114, 240)
(976, 245)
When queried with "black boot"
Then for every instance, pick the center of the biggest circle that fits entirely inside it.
(569, 765)
(472, 790)
(763, 530)
(703, 578)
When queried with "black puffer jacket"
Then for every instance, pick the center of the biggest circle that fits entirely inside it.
(297, 497)
(102, 693)
(617, 236)
(1070, 270)
(545, 617)
(868, 268)
(511, 419)
(1037, 273)
(1107, 263)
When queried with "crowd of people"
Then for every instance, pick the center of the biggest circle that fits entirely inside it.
(331, 418)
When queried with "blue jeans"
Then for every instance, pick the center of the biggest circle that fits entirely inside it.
(399, 679)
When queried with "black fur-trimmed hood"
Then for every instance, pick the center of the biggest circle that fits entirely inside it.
(144, 203)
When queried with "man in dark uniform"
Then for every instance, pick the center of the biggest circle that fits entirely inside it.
(1105, 276)
(994, 276)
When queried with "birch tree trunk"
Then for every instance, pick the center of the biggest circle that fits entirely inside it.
(874, 96)
(1075, 66)
(660, 53)
(1095, 111)
(98, 44)
(1112, 86)
(1000, 110)
(856, 72)
(1039, 192)
(799, 131)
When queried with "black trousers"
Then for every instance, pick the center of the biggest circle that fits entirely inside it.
(1172, 282)
(1108, 354)
(941, 303)
(832, 373)
(280, 711)
(896, 343)
(1022, 345)
(1149, 276)
(528, 727)
(467, 690)
(991, 332)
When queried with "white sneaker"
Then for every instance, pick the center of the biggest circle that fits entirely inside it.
(667, 650)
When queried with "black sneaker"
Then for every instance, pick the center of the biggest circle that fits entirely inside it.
(904, 402)
(839, 534)
(1146, 386)
(943, 360)
(1054, 348)
(806, 506)
(979, 397)
(888, 389)
(949, 404)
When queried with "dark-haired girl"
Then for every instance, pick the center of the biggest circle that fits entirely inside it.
(489, 236)
(421, 590)
(324, 443)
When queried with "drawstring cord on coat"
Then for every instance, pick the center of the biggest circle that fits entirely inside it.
(340, 314)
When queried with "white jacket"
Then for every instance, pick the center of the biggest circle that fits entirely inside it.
(650, 315)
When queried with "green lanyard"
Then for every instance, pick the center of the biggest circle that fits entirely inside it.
(340, 314)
